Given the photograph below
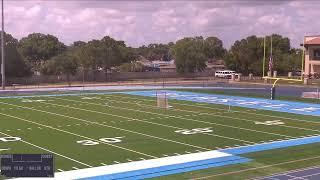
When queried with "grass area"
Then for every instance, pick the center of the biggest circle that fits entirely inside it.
(138, 130)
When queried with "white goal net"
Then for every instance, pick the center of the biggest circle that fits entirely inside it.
(162, 100)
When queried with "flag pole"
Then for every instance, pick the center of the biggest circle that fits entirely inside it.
(3, 79)
(264, 56)
(271, 58)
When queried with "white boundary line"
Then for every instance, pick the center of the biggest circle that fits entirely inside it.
(79, 162)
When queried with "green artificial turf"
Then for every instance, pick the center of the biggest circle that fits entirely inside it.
(139, 130)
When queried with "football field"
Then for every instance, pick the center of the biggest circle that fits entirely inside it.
(92, 130)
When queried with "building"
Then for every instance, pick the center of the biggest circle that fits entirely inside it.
(312, 55)
(215, 65)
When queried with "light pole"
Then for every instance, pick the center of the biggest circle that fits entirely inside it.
(2, 50)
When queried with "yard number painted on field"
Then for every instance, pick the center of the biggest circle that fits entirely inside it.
(37, 100)
(270, 123)
(90, 98)
(194, 131)
(106, 140)
(9, 139)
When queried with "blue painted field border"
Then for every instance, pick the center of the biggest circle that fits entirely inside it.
(272, 145)
(246, 102)
(53, 95)
(210, 163)
(174, 169)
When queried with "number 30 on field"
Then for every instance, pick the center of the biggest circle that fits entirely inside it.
(106, 140)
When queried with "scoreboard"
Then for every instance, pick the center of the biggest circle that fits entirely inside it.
(27, 165)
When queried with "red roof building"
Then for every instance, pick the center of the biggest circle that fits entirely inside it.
(312, 55)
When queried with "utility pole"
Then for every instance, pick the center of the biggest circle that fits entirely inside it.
(2, 51)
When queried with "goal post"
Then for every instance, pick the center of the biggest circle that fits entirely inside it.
(272, 75)
(162, 99)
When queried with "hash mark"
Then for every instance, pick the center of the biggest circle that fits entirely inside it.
(103, 164)
(75, 168)
(60, 170)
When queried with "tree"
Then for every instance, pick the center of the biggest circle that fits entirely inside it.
(156, 51)
(62, 64)
(190, 55)
(112, 53)
(37, 48)
(214, 48)
(15, 65)
(246, 55)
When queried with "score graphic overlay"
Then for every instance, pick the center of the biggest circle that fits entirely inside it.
(27, 165)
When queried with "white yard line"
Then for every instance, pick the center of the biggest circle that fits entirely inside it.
(217, 114)
(42, 148)
(96, 123)
(78, 135)
(205, 107)
(225, 137)
(236, 127)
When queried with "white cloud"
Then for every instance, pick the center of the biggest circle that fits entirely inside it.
(143, 22)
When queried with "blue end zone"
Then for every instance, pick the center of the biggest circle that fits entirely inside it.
(256, 103)
(174, 169)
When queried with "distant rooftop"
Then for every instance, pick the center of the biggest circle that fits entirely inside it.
(311, 40)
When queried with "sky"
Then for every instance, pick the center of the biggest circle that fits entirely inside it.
(143, 22)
